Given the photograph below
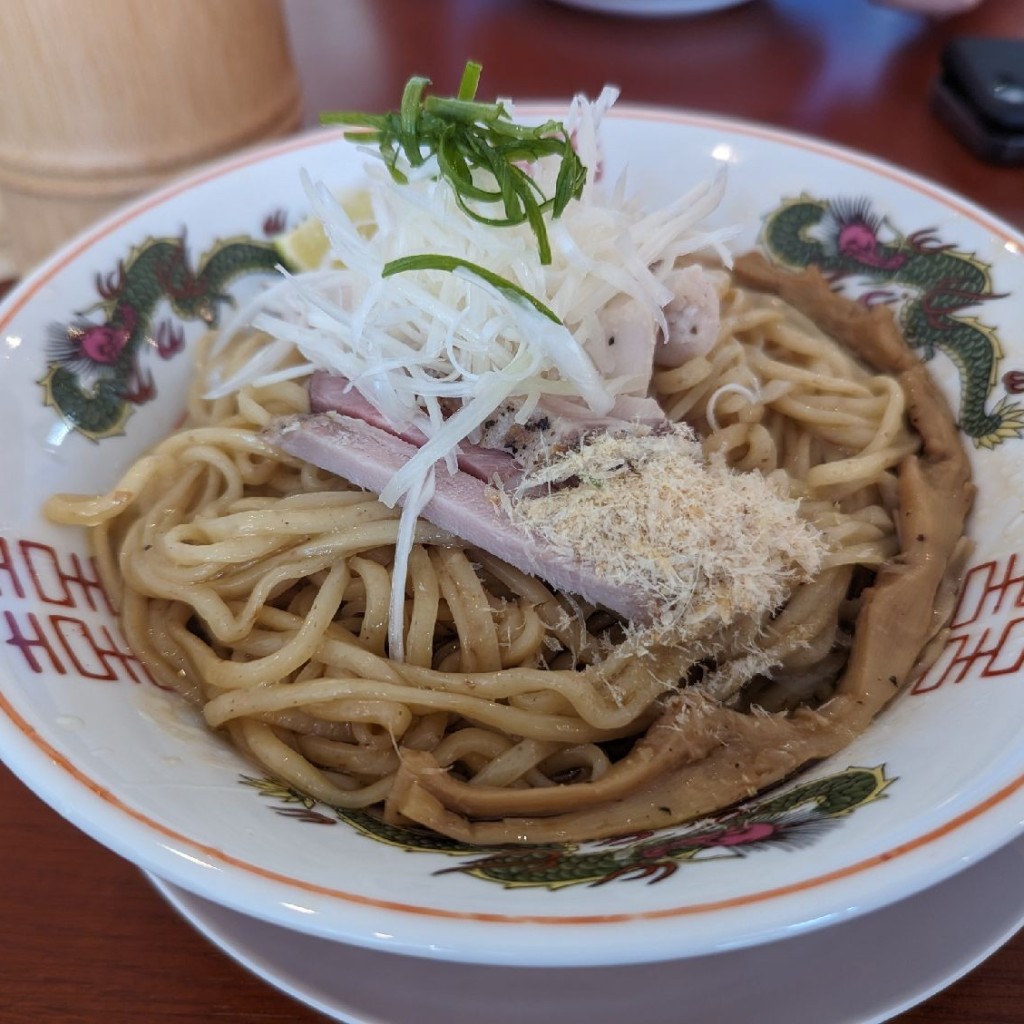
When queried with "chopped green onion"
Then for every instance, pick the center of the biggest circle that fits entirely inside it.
(470, 80)
(436, 261)
(468, 136)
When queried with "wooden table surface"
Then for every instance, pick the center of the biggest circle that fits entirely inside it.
(84, 939)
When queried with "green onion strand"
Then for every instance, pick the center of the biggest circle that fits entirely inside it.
(437, 261)
(468, 137)
(470, 80)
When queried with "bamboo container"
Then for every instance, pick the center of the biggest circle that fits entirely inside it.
(105, 99)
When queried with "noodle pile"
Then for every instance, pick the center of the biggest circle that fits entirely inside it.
(258, 587)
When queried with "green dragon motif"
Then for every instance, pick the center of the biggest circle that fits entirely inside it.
(95, 374)
(789, 819)
(932, 282)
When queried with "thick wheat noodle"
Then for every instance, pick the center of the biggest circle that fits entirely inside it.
(580, 691)
(228, 624)
(267, 748)
(519, 645)
(513, 763)
(462, 592)
(325, 693)
(426, 599)
(730, 755)
(568, 630)
(373, 607)
(258, 587)
(350, 757)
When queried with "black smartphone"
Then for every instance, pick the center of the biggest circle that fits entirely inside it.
(979, 96)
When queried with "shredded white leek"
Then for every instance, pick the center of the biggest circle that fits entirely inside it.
(415, 340)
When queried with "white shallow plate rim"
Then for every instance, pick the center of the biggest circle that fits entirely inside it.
(927, 980)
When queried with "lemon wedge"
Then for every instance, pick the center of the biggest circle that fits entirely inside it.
(304, 247)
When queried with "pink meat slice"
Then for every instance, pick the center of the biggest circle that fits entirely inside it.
(331, 393)
(628, 409)
(565, 420)
(463, 505)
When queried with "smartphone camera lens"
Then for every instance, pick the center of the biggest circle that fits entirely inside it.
(979, 96)
(1008, 89)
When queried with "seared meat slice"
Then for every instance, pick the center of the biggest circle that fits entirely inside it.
(502, 448)
(328, 393)
(461, 504)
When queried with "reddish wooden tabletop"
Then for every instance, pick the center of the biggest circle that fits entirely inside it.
(84, 939)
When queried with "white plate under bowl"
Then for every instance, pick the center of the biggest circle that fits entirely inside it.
(940, 774)
(861, 972)
(651, 8)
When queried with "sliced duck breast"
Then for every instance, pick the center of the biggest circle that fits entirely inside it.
(461, 504)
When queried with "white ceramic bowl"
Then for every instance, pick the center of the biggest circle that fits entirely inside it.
(940, 774)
